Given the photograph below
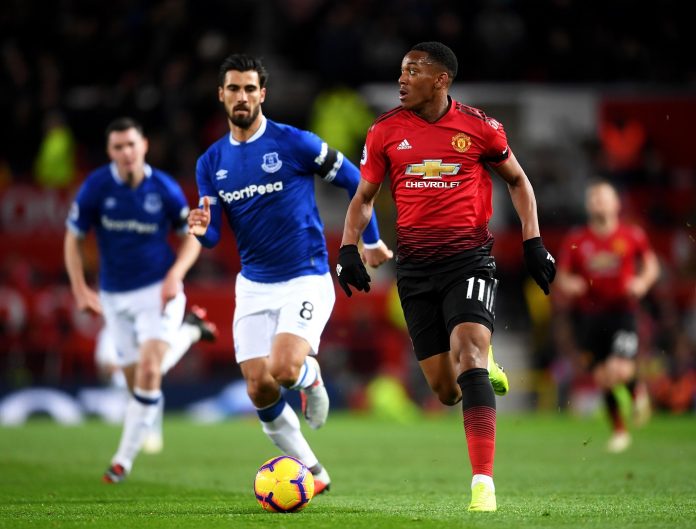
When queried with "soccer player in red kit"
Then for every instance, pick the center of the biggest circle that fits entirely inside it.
(605, 268)
(437, 152)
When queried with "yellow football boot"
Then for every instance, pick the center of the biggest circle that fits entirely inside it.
(482, 498)
(496, 375)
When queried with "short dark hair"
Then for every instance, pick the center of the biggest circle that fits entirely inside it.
(123, 123)
(242, 63)
(441, 54)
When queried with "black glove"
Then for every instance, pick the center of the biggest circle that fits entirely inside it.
(540, 263)
(351, 270)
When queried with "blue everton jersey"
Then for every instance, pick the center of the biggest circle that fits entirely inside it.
(132, 225)
(265, 186)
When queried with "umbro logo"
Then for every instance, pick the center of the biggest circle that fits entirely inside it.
(404, 145)
(221, 174)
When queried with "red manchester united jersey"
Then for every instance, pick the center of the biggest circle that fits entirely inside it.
(606, 263)
(439, 183)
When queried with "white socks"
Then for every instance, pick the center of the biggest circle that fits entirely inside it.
(281, 424)
(154, 440)
(141, 413)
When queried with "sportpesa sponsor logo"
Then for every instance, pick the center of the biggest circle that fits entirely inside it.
(250, 191)
(431, 183)
(128, 225)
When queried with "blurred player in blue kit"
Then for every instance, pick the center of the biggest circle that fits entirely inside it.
(133, 207)
(262, 176)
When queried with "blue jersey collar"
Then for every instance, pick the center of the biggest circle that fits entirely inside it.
(256, 136)
(114, 172)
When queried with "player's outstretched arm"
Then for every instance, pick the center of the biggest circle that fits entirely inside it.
(540, 263)
(86, 298)
(375, 252)
(350, 268)
(186, 256)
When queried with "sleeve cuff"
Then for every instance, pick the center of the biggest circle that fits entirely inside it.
(372, 245)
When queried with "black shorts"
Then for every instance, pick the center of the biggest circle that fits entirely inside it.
(434, 304)
(607, 334)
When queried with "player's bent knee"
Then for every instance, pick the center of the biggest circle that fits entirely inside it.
(472, 359)
(472, 354)
(470, 347)
(148, 374)
(285, 375)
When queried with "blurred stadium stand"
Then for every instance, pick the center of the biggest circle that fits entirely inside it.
(580, 90)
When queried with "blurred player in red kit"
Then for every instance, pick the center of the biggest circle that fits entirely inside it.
(605, 268)
(437, 153)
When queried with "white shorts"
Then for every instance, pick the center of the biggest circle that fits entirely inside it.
(136, 316)
(300, 306)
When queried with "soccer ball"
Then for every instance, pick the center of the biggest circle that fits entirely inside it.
(283, 484)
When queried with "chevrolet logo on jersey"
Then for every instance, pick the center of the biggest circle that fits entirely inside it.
(430, 169)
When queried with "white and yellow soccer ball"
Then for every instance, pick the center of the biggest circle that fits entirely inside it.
(283, 484)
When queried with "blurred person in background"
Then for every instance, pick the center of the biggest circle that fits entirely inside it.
(261, 176)
(605, 268)
(133, 207)
(55, 164)
(340, 116)
(437, 153)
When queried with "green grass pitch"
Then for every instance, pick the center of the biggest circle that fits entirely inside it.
(551, 471)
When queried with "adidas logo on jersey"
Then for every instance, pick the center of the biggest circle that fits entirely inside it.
(404, 145)
(221, 174)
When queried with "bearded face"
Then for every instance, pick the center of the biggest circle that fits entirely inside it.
(242, 96)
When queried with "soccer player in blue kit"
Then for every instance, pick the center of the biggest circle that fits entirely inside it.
(133, 207)
(261, 175)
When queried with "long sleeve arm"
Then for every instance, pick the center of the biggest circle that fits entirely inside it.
(346, 175)
(212, 234)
